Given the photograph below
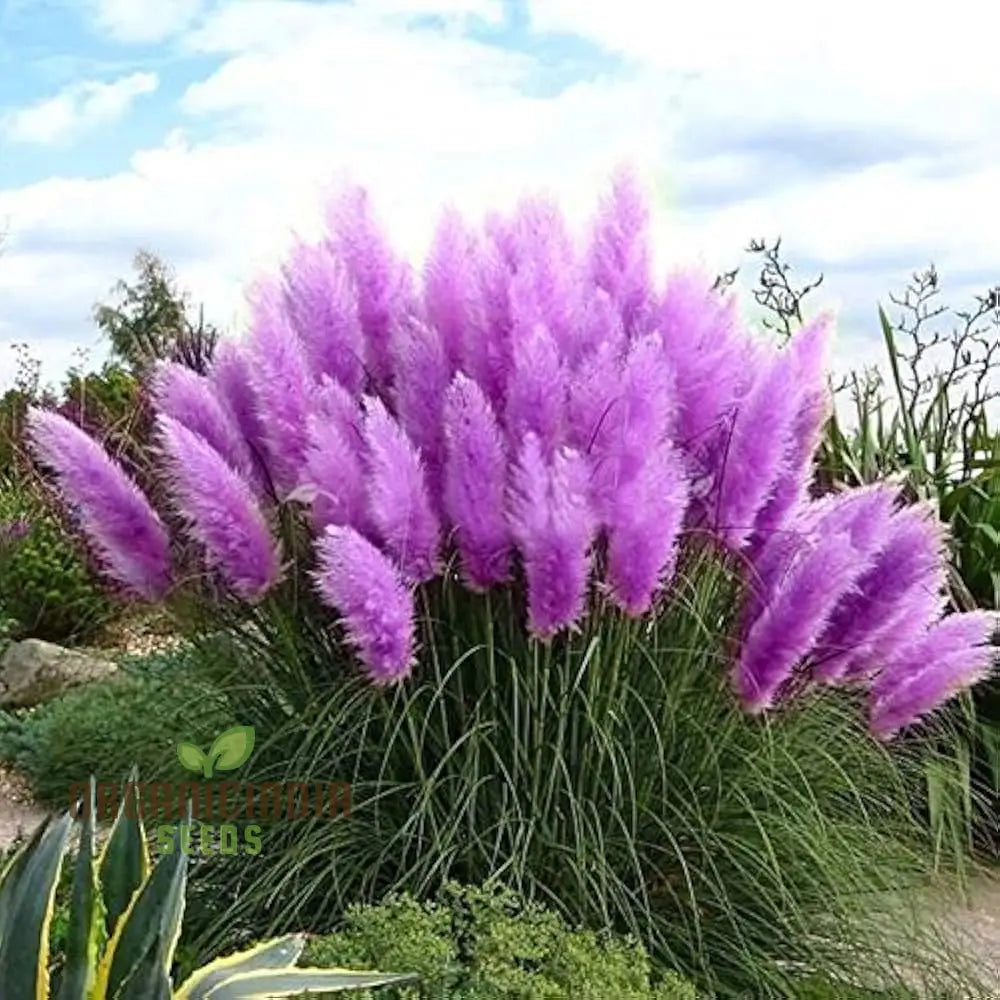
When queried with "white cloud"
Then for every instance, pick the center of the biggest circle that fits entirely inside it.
(144, 21)
(304, 93)
(76, 109)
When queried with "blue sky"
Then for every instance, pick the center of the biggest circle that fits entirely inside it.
(207, 130)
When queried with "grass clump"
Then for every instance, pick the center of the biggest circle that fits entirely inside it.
(609, 774)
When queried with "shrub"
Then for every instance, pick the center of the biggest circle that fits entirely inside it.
(106, 727)
(46, 585)
(478, 944)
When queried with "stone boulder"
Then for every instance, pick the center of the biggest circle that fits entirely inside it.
(33, 672)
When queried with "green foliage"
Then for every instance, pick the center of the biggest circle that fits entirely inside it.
(486, 944)
(122, 925)
(105, 727)
(609, 774)
(109, 399)
(149, 320)
(47, 586)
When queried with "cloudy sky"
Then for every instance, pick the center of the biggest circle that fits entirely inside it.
(208, 130)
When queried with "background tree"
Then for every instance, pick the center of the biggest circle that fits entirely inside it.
(150, 319)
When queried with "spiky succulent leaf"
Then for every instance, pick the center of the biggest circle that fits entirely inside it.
(124, 863)
(24, 953)
(85, 913)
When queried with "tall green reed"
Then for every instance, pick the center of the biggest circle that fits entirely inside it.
(609, 773)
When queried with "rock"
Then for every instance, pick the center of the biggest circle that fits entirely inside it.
(33, 672)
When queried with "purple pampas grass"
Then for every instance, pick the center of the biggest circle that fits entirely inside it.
(953, 655)
(536, 390)
(452, 297)
(619, 252)
(896, 600)
(229, 376)
(553, 525)
(751, 457)
(220, 510)
(383, 281)
(794, 618)
(360, 582)
(809, 351)
(283, 387)
(321, 302)
(192, 400)
(644, 523)
(128, 536)
(423, 374)
(398, 501)
(475, 484)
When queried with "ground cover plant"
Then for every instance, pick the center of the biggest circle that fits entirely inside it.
(133, 719)
(487, 944)
(526, 551)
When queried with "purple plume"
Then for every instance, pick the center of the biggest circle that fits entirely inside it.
(192, 400)
(283, 385)
(708, 354)
(536, 392)
(795, 617)
(398, 501)
(809, 351)
(383, 281)
(551, 520)
(620, 254)
(128, 536)
(360, 582)
(896, 600)
(229, 377)
(452, 296)
(321, 302)
(953, 655)
(545, 288)
(619, 415)
(220, 510)
(475, 484)
(645, 520)
(751, 459)
(423, 375)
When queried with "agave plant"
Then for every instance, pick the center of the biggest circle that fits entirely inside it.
(124, 923)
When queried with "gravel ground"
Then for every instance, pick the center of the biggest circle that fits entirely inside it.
(19, 814)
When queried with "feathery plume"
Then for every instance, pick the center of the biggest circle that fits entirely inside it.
(377, 610)
(645, 520)
(553, 525)
(383, 281)
(192, 400)
(128, 536)
(619, 252)
(398, 501)
(229, 376)
(475, 484)
(321, 302)
(896, 600)
(953, 655)
(220, 510)
(283, 386)
(794, 618)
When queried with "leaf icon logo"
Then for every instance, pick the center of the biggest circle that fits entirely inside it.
(230, 749)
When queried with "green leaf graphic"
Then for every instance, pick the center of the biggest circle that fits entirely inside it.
(190, 756)
(231, 749)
